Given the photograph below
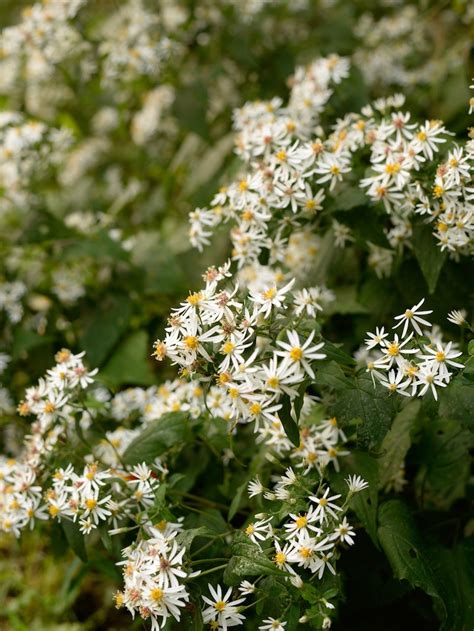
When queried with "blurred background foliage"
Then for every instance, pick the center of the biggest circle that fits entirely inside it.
(100, 239)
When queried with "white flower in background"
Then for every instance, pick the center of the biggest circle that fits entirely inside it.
(272, 624)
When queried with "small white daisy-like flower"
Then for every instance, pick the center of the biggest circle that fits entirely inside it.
(326, 505)
(255, 487)
(458, 317)
(412, 317)
(221, 609)
(272, 624)
(356, 483)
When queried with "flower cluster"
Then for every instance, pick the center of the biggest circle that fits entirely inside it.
(216, 336)
(27, 147)
(153, 578)
(52, 402)
(10, 300)
(294, 170)
(307, 543)
(415, 361)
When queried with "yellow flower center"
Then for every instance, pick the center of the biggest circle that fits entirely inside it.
(440, 356)
(269, 293)
(296, 353)
(273, 382)
(161, 525)
(255, 408)
(301, 521)
(220, 606)
(306, 553)
(250, 529)
(393, 349)
(392, 167)
(194, 299)
(91, 503)
(191, 342)
(280, 558)
(157, 594)
(228, 347)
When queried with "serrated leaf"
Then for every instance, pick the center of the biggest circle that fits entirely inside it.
(330, 374)
(457, 401)
(405, 549)
(258, 564)
(335, 353)
(360, 399)
(445, 463)
(397, 442)
(186, 537)
(169, 430)
(234, 505)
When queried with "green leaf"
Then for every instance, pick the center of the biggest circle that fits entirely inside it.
(397, 442)
(108, 324)
(405, 549)
(330, 374)
(346, 302)
(169, 430)
(428, 254)
(335, 353)
(289, 425)
(248, 560)
(212, 519)
(190, 107)
(445, 463)
(25, 341)
(470, 347)
(445, 575)
(350, 197)
(236, 500)
(360, 399)
(457, 401)
(186, 537)
(299, 401)
(75, 538)
(129, 364)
